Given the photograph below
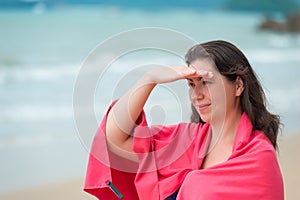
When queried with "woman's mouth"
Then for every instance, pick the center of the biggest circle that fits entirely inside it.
(203, 107)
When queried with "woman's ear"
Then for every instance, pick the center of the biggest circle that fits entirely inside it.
(239, 86)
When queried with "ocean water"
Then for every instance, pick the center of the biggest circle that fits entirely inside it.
(43, 51)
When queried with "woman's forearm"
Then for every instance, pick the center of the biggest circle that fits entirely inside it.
(123, 115)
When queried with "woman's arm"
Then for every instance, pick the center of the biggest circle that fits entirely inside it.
(123, 115)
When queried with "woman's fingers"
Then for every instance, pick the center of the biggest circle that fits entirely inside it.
(169, 74)
(187, 72)
(205, 74)
(201, 72)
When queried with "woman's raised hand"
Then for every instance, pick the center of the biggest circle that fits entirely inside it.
(169, 74)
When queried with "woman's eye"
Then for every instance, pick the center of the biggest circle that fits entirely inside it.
(206, 82)
(191, 84)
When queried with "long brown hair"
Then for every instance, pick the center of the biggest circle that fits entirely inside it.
(232, 63)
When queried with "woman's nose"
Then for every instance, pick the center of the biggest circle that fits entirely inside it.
(197, 93)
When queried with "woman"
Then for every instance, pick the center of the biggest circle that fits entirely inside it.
(227, 152)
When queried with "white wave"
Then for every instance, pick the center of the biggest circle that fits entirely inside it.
(280, 41)
(144, 57)
(31, 113)
(270, 56)
(36, 140)
(285, 100)
(39, 8)
(36, 73)
(26, 140)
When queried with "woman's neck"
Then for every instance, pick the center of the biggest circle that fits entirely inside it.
(224, 131)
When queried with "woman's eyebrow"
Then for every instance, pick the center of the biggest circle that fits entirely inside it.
(198, 79)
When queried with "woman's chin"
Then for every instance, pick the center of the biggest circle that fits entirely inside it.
(206, 118)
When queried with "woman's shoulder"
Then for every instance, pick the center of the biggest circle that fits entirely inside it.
(249, 139)
(261, 141)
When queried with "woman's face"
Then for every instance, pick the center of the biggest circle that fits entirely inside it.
(212, 97)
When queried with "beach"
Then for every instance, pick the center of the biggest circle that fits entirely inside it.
(43, 149)
(290, 165)
(69, 189)
(72, 189)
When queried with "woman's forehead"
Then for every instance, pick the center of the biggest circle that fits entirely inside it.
(203, 64)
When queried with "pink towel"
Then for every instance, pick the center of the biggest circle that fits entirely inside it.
(171, 157)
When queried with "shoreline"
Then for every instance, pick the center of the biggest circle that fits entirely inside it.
(72, 189)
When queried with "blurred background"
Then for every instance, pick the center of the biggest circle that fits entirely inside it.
(43, 44)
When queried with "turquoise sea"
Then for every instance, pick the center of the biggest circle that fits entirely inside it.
(42, 52)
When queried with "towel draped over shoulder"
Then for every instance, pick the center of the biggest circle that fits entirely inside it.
(170, 158)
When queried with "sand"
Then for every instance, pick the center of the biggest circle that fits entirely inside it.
(72, 189)
(290, 165)
(65, 190)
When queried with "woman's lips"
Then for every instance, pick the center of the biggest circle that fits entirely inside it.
(203, 107)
